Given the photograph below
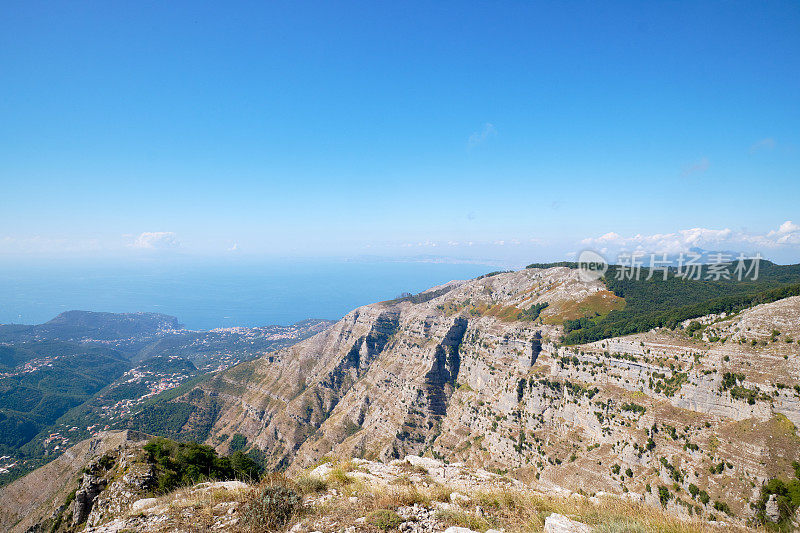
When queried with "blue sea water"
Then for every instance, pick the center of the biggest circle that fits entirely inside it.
(205, 295)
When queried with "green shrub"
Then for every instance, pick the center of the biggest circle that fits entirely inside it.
(244, 467)
(179, 464)
(722, 506)
(634, 407)
(693, 326)
(271, 508)
(787, 494)
(533, 312)
(664, 495)
(384, 519)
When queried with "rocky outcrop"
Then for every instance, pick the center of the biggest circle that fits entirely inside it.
(45, 492)
(410, 495)
(772, 510)
(90, 487)
(131, 478)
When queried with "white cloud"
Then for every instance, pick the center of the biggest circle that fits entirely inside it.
(696, 168)
(786, 227)
(156, 240)
(787, 233)
(480, 137)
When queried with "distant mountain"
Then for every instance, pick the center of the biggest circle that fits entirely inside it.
(78, 325)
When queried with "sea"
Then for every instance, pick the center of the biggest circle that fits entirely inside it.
(212, 294)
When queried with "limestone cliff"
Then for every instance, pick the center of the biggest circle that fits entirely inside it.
(468, 372)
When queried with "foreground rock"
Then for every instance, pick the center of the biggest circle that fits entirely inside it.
(356, 496)
(557, 523)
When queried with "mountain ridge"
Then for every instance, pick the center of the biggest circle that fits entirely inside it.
(466, 376)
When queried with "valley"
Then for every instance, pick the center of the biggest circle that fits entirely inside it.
(82, 372)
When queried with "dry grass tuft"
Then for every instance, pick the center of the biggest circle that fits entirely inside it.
(308, 484)
(393, 497)
(515, 510)
(338, 476)
(440, 493)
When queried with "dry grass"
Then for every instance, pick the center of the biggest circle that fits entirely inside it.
(440, 493)
(402, 480)
(600, 303)
(308, 484)
(513, 510)
(398, 496)
(338, 477)
(190, 509)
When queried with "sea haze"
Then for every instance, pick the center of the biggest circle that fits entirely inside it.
(205, 295)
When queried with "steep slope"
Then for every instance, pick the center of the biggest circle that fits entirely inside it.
(57, 378)
(379, 382)
(464, 372)
(40, 494)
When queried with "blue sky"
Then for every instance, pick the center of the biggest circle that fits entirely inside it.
(476, 130)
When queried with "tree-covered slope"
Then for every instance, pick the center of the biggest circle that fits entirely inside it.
(58, 376)
(659, 302)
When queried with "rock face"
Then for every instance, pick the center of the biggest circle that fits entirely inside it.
(44, 492)
(129, 478)
(772, 511)
(464, 372)
(84, 498)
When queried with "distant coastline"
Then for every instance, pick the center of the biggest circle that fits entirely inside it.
(212, 295)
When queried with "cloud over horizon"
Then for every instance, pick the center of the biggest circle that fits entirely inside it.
(156, 240)
(788, 233)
